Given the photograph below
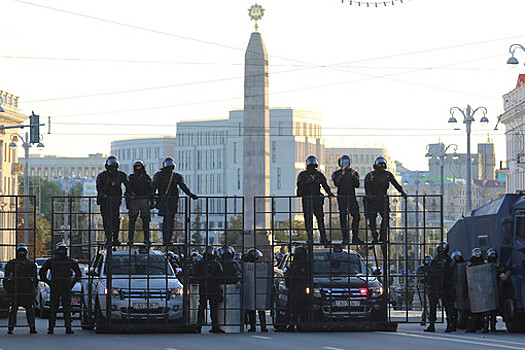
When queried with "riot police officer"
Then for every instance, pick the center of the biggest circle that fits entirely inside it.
(377, 183)
(166, 184)
(62, 268)
(141, 202)
(208, 272)
(346, 180)
(423, 287)
(297, 279)
(20, 281)
(309, 184)
(440, 280)
(252, 256)
(231, 268)
(479, 318)
(109, 193)
(461, 300)
(502, 275)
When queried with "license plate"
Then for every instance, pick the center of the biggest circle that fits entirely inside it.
(75, 301)
(142, 306)
(346, 303)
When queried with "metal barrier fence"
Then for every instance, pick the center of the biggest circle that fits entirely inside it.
(135, 285)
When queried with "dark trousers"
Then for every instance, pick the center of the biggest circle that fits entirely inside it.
(378, 206)
(433, 299)
(110, 211)
(139, 207)
(252, 321)
(167, 227)
(348, 204)
(479, 320)
(58, 297)
(213, 299)
(314, 206)
(13, 310)
(298, 308)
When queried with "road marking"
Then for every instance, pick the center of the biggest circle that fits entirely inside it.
(330, 348)
(261, 337)
(475, 338)
(170, 349)
(455, 340)
(120, 338)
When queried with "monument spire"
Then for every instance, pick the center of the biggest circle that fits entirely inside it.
(256, 12)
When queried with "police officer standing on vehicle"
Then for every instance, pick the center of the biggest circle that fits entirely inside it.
(166, 183)
(297, 279)
(109, 197)
(479, 318)
(62, 268)
(309, 184)
(441, 288)
(20, 281)
(141, 202)
(209, 272)
(423, 287)
(346, 180)
(376, 186)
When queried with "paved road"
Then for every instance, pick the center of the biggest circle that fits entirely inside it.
(407, 337)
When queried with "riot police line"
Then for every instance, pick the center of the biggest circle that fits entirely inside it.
(198, 267)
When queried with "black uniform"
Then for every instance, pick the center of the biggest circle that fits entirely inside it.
(297, 279)
(20, 281)
(309, 184)
(109, 189)
(140, 203)
(166, 184)
(502, 274)
(62, 268)
(346, 184)
(209, 272)
(423, 289)
(441, 288)
(461, 301)
(376, 186)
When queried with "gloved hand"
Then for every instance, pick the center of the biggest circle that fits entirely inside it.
(193, 196)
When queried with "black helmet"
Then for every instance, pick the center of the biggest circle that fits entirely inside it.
(168, 161)
(427, 259)
(477, 251)
(344, 161)
(456, 253)
(226, 251)
(139, 162)
(209, 251)
(380, 160)
(443, 246)
(252, 255)
(299, 252)
(492, 251)
(237, 256)
(111, 160)
(61, 248)
(311, 159)
(279, 256)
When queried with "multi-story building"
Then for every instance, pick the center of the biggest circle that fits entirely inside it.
(53, 168)
(514, 120)
(9, 170)
(152, 150)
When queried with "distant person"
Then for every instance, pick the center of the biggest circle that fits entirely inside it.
(166, 184)
(62, 268)
(376, 186)
(309, 183)
(346, 180)
(20, 282)
(423, 287)
(141, 202)
(109, 197)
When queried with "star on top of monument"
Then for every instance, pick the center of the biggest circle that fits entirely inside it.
(256, 12)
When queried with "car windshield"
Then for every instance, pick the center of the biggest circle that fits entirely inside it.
(343, 263)
(140, 264)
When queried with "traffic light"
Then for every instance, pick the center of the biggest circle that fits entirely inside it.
(34, 132)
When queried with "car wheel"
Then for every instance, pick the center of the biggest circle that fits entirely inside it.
(514, 321)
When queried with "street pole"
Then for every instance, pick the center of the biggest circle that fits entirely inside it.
(468, 122)
(26, 189)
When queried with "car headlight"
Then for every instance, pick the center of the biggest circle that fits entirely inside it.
(316, 292)
(176, 292)
(115, 293)
(376, 291)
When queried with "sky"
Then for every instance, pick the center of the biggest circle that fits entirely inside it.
(107, 70)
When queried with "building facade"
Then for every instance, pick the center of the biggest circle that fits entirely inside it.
(514, 120)
(53, 168)
(10, 169)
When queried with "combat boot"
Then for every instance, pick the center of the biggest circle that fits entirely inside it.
(430, 328)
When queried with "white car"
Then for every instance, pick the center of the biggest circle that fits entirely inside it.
(143, 287)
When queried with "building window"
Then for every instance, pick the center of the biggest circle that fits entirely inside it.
(274, 151)
(235, 152)
(280, 128)
(238, 178)
(278, 178)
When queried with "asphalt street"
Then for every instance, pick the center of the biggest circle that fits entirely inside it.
(407, 337)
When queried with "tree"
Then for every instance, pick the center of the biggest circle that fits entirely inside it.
(196, 226)
(47, 190)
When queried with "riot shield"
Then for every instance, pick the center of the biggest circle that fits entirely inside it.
(257, 285)
(460, 279)
(229, 312)
(482, 288)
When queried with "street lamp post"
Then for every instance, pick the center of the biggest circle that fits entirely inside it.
(468, 118)
(512, 50)
(441, 156)
(26, 144)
